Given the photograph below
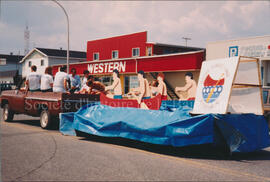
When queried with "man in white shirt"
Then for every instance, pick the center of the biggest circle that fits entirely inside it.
(47, 80)
(60, 80)
(85, 77)
(116, 86)
(33, 80)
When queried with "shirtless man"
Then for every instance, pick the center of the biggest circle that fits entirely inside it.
(116, 86)
(143, 90)
(162, 89)
(95, 87)
(190, 86)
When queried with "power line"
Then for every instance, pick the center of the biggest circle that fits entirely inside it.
(186, 39)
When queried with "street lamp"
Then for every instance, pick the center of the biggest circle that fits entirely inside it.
(67, 33)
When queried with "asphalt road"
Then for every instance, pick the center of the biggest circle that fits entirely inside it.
(29, 153)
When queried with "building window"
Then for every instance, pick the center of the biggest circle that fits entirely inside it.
(135, 52)
(42, 62)
(3, 61)
(149, 51)
(130, 82)
(29, 64)
(106, 80)
(96, 56)
(114, 54)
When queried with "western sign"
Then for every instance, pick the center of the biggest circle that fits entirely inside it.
(108, 67)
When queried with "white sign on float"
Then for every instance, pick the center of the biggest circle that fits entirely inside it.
(227, 85)
(214, 85)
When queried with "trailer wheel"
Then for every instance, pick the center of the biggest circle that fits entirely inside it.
(45, 119)
(7, 113)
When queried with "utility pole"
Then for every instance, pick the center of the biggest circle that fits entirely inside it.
(0, 10)
(67, 32)
(26, 39)
(186, 39)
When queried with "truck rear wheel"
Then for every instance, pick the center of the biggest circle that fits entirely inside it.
(45, 119)
(7, 113)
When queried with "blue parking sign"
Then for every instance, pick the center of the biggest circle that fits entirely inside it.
(233, 51)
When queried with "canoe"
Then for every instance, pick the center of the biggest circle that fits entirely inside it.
(152, 103)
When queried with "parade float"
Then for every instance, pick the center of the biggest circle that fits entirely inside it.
(228, 110)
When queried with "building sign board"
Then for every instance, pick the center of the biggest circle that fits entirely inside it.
(126, 66)
(258, 50)
(107, 67)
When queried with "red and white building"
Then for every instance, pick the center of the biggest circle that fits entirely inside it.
(131, 53)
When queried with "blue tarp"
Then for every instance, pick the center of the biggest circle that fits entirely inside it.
(171, 125)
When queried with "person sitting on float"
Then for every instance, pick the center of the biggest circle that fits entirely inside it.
(162, 88)
(60, 80)
(190, 87)
(85, 88)
(143, 91)
(33, 80)
(46, 83)
(85, 77)
(116, 86)
(75, 81)
(95, 87)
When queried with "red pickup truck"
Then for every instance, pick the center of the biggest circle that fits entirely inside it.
(47, 105)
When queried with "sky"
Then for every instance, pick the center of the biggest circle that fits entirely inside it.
(166, 22)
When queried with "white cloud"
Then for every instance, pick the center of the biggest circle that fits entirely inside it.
(165, 22)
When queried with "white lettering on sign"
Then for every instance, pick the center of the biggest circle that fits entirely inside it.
(95, 68)
(116, 66)
(90, 68)
(106, 64)
(107, 67)
(110, 67)
(100, 68)
(254, 51)
(123, 66)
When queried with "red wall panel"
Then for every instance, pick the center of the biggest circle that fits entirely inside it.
(171, 63)
(123, 44)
